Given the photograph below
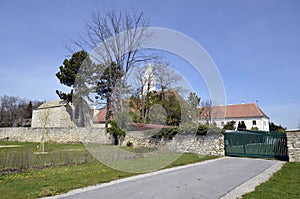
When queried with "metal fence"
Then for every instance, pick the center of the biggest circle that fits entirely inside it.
(260, 144)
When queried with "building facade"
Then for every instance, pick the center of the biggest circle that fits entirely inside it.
(249, 114)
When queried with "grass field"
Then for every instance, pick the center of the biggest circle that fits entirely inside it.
(21, 156)
(69, 166)
(33, 182)
(285, 184)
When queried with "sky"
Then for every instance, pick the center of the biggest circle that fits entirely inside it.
(254, 44)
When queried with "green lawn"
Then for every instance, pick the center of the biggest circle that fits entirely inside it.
(33, 182)
(18, 155)
(284, 184)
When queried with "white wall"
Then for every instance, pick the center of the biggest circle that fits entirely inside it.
(261, 123)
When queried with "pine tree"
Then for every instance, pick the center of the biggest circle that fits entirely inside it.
(68, 72)
(106, 86)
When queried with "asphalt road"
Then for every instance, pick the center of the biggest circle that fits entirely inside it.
(212, 179)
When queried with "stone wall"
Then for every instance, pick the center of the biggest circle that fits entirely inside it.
(203, 145)
(293, 144)
(56, 135)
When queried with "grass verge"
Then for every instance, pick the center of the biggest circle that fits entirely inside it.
(284, 184)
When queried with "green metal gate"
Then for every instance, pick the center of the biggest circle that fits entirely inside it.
(259, 144)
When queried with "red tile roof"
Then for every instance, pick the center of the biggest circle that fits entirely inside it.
(100, 116)
(237, 111)
(244, 110)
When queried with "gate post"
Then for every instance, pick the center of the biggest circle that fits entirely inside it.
(293, 144)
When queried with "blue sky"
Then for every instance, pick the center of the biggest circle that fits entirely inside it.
(255, 44)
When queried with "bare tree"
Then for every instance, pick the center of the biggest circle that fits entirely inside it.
(44, 116)
(206, 111)
(13, 111)
(165, 76)
(210, 111)
(9, 106)
(115, 37)
(16, 111)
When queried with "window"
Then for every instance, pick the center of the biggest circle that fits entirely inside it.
(254, 122)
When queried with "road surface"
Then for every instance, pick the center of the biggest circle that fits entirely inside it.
(211, 179)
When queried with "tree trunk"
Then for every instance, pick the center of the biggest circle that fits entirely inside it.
(108, 110)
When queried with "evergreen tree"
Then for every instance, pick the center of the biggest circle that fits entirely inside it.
(193, 100)
(241, 126)
(274, 127)
(68, 72)
(106, 86)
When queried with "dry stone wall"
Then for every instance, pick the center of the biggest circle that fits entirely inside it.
(203, 145)
(56, 135)
(293, 144)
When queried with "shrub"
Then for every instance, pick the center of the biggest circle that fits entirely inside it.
(129, 144)
(165, 133)
(202, 129)
(229, 125)
(254, 128)
(116, 132)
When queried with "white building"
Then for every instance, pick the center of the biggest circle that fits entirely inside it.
(250, 114)
(149, 80)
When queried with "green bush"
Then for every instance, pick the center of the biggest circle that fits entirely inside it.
(165, 133)
(229, 125)
(116, 132)
(186, 128)
(202, 129)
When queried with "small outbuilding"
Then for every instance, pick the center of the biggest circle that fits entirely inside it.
(60, 114)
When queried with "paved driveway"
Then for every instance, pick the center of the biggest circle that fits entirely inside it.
(211, 179)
